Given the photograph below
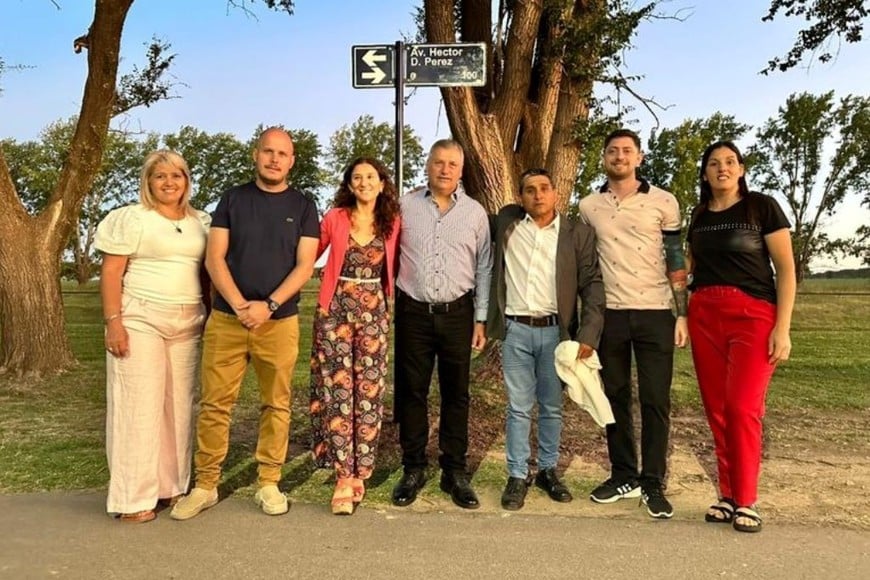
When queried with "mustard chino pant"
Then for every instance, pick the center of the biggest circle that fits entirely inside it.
(227, 348)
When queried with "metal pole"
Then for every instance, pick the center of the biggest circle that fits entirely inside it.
(400, 113)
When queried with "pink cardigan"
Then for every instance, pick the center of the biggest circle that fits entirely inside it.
(334, 232)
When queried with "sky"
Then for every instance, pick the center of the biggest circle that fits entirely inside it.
(235, 70)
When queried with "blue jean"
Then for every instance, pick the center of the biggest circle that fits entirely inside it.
(529, 367)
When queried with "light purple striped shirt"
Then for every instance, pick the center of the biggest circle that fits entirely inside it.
(443, 256)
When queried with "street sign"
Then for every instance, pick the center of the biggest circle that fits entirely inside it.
(373, 66)
(445, 65)
(377, 66)
(426, 65)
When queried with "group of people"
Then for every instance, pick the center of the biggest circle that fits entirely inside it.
(614, 283)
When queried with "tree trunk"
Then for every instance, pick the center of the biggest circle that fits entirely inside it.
(527, 114)
(34, 338)
(81, 249)
(488, 176)
(83, 267)
(31, 308)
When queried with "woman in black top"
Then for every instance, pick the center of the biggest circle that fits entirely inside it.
(739, 320)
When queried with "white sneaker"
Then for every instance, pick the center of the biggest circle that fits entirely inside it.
(271, 500)
(190, 505)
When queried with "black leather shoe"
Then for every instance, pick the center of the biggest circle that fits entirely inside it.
(459, 488)
(406, 490)
(549, 482)
(514, 496)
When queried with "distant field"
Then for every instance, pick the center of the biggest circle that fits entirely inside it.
(830, 361)
(835, 285)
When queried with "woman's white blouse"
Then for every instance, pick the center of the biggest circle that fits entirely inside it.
(164, 263)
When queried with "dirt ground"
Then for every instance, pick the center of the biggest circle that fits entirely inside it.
(815, 469)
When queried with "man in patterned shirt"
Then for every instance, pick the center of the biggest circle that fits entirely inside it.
(638, 231)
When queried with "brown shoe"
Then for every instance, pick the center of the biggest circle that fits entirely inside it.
(138, 517)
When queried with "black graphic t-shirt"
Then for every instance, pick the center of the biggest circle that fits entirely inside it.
(728, 246)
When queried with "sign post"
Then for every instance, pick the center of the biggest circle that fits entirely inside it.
(400, 119)
(381, 66)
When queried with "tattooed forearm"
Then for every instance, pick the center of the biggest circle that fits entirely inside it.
(681, 299)
(681, 293)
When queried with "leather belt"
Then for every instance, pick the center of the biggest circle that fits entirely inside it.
(439, 307)
(536, 321)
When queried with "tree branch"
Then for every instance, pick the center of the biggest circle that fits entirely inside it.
(843, 20)
(10, 204)
(278, 5)
(621, 82)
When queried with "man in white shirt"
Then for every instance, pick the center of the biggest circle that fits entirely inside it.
(542, 264)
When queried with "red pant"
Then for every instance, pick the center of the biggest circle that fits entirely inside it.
(729, 331)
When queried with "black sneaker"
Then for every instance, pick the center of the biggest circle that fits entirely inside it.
(613, 490)
(657, 505)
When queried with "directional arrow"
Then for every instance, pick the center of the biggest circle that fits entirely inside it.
(372, 57)
(376, 75)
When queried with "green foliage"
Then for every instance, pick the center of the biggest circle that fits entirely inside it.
(594, 43)
(217, 162)
(144, 87)
(35, 168)
(367, 138)
(33, 171)
(814, 154)
(307, 175)
(843, 19)
(591, 134)
(281, 5)
(673, 155)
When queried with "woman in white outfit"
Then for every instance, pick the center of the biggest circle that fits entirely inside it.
(154, 313)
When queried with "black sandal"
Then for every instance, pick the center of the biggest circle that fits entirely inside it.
(721, 512)
(749, 514)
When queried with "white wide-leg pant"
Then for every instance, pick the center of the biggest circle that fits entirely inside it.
(150, 398)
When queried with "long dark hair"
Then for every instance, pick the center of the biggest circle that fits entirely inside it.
(707, 192)
(387, 204)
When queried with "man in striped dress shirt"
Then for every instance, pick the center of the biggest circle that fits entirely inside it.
(442, 294)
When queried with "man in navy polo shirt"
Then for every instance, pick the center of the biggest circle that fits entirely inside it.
(261, 250)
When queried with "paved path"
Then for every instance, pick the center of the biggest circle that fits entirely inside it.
(68, 536)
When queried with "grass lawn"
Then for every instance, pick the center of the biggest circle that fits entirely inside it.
(52, 432)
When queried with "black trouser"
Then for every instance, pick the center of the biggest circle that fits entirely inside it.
(650, 333)
(424, 333)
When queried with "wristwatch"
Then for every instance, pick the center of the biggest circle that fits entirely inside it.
(273, 306)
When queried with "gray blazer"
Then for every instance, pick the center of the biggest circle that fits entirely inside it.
(577, 276)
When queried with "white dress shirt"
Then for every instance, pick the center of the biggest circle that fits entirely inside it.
(530, 268)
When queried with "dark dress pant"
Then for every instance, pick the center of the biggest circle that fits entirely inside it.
(426, 334)
(650, 335)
